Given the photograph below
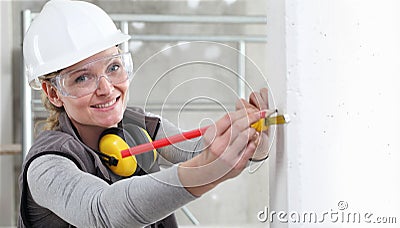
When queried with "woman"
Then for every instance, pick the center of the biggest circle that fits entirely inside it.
(71, 53)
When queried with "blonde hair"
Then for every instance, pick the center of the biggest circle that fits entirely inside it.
(52, 121)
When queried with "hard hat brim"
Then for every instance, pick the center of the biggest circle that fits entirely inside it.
(74, 57)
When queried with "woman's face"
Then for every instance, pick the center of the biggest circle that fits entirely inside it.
(104, 107)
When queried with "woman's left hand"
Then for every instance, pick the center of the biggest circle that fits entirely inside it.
(257, 100)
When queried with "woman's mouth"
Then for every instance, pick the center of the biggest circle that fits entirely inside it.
(106, 105)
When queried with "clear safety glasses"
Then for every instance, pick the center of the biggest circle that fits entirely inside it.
(85, 80)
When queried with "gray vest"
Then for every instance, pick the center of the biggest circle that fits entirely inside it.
(86, 159)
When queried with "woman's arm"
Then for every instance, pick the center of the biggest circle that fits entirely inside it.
(85, 200)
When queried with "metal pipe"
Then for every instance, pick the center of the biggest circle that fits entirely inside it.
(169, 38)
(190, 18)
(186, 18)
(26, 96)
(190, 216)
(241, 85)
(198, 107)
(124, 26)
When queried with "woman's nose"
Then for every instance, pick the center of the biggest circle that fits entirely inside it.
(104, 86)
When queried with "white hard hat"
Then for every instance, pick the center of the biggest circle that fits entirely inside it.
(64, 33)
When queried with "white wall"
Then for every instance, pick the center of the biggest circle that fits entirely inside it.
(342, 95)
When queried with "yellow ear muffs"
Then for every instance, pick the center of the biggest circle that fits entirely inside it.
(111, 143)
(114, 140)
(137, 136)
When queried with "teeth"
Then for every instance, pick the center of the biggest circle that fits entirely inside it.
(106, 104)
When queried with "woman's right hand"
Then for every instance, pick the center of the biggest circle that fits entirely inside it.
(230, 143)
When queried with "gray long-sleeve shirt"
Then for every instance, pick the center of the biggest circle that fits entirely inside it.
(84, 200)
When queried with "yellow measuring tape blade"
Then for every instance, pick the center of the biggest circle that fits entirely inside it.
(263, 124)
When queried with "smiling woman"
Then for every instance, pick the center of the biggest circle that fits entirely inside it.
(66, 179)
(92, 92)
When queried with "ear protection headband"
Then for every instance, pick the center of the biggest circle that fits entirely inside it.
(113, 140)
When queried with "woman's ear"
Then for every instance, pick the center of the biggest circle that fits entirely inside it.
(51, 94)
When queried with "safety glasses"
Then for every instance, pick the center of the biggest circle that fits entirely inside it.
(80, 82)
